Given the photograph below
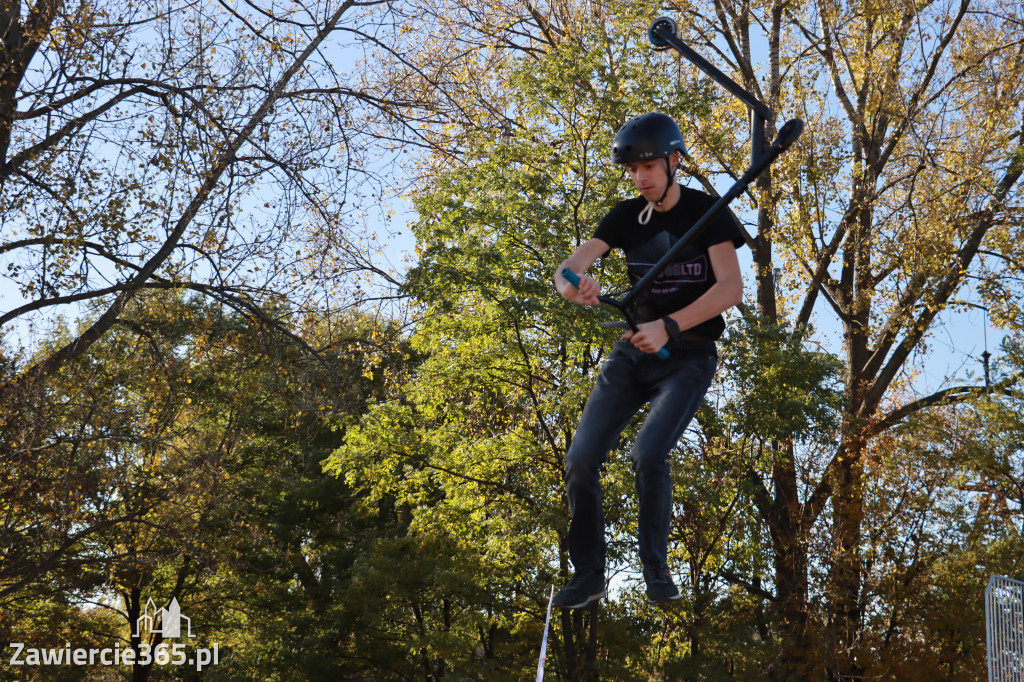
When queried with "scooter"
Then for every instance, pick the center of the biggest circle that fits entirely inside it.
(662, 34)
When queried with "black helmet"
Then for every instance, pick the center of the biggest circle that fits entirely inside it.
(650, 136)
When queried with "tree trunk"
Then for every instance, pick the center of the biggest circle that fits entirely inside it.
(579, 643)
(795, 660)
(847, 580)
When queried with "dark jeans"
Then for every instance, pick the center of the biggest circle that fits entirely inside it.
(674, 387)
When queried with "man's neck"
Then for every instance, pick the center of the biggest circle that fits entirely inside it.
(671, 199)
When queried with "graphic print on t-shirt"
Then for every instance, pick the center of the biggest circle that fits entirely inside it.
(639, 261)
(691, 275)
(694, 271)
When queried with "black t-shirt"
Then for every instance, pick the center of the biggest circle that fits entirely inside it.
(690, 275)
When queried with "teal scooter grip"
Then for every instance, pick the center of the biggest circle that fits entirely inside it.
(573, 279)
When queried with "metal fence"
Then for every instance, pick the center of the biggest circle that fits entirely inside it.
(1004, 626)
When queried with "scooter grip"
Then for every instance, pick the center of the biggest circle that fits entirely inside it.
(573, 279)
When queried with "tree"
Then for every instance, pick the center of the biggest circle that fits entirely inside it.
(197, 148)
(207, 148)
(902, 191)
(207, 434)
(475, 447)
(906, 178)
(818, 536)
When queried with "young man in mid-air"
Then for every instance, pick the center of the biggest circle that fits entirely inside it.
(681, 312)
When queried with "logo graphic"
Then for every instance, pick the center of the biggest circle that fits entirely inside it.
(169, 620)
(675, 275)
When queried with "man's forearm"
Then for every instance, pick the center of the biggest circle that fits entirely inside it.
(715, 301)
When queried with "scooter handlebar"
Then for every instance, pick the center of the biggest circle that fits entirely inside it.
(574, 279)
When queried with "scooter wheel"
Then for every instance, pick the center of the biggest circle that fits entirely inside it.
(661, 25)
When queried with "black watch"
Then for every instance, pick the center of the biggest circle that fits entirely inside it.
(672, 327)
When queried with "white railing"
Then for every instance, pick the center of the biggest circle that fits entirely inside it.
(1004, 626)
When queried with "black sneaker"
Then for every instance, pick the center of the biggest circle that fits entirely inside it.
(581, 590)
(660, 587)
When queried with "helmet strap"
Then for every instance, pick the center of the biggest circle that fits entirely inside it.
(645, 215)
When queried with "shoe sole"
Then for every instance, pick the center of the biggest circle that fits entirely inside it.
(667, 600)
(591, 598)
